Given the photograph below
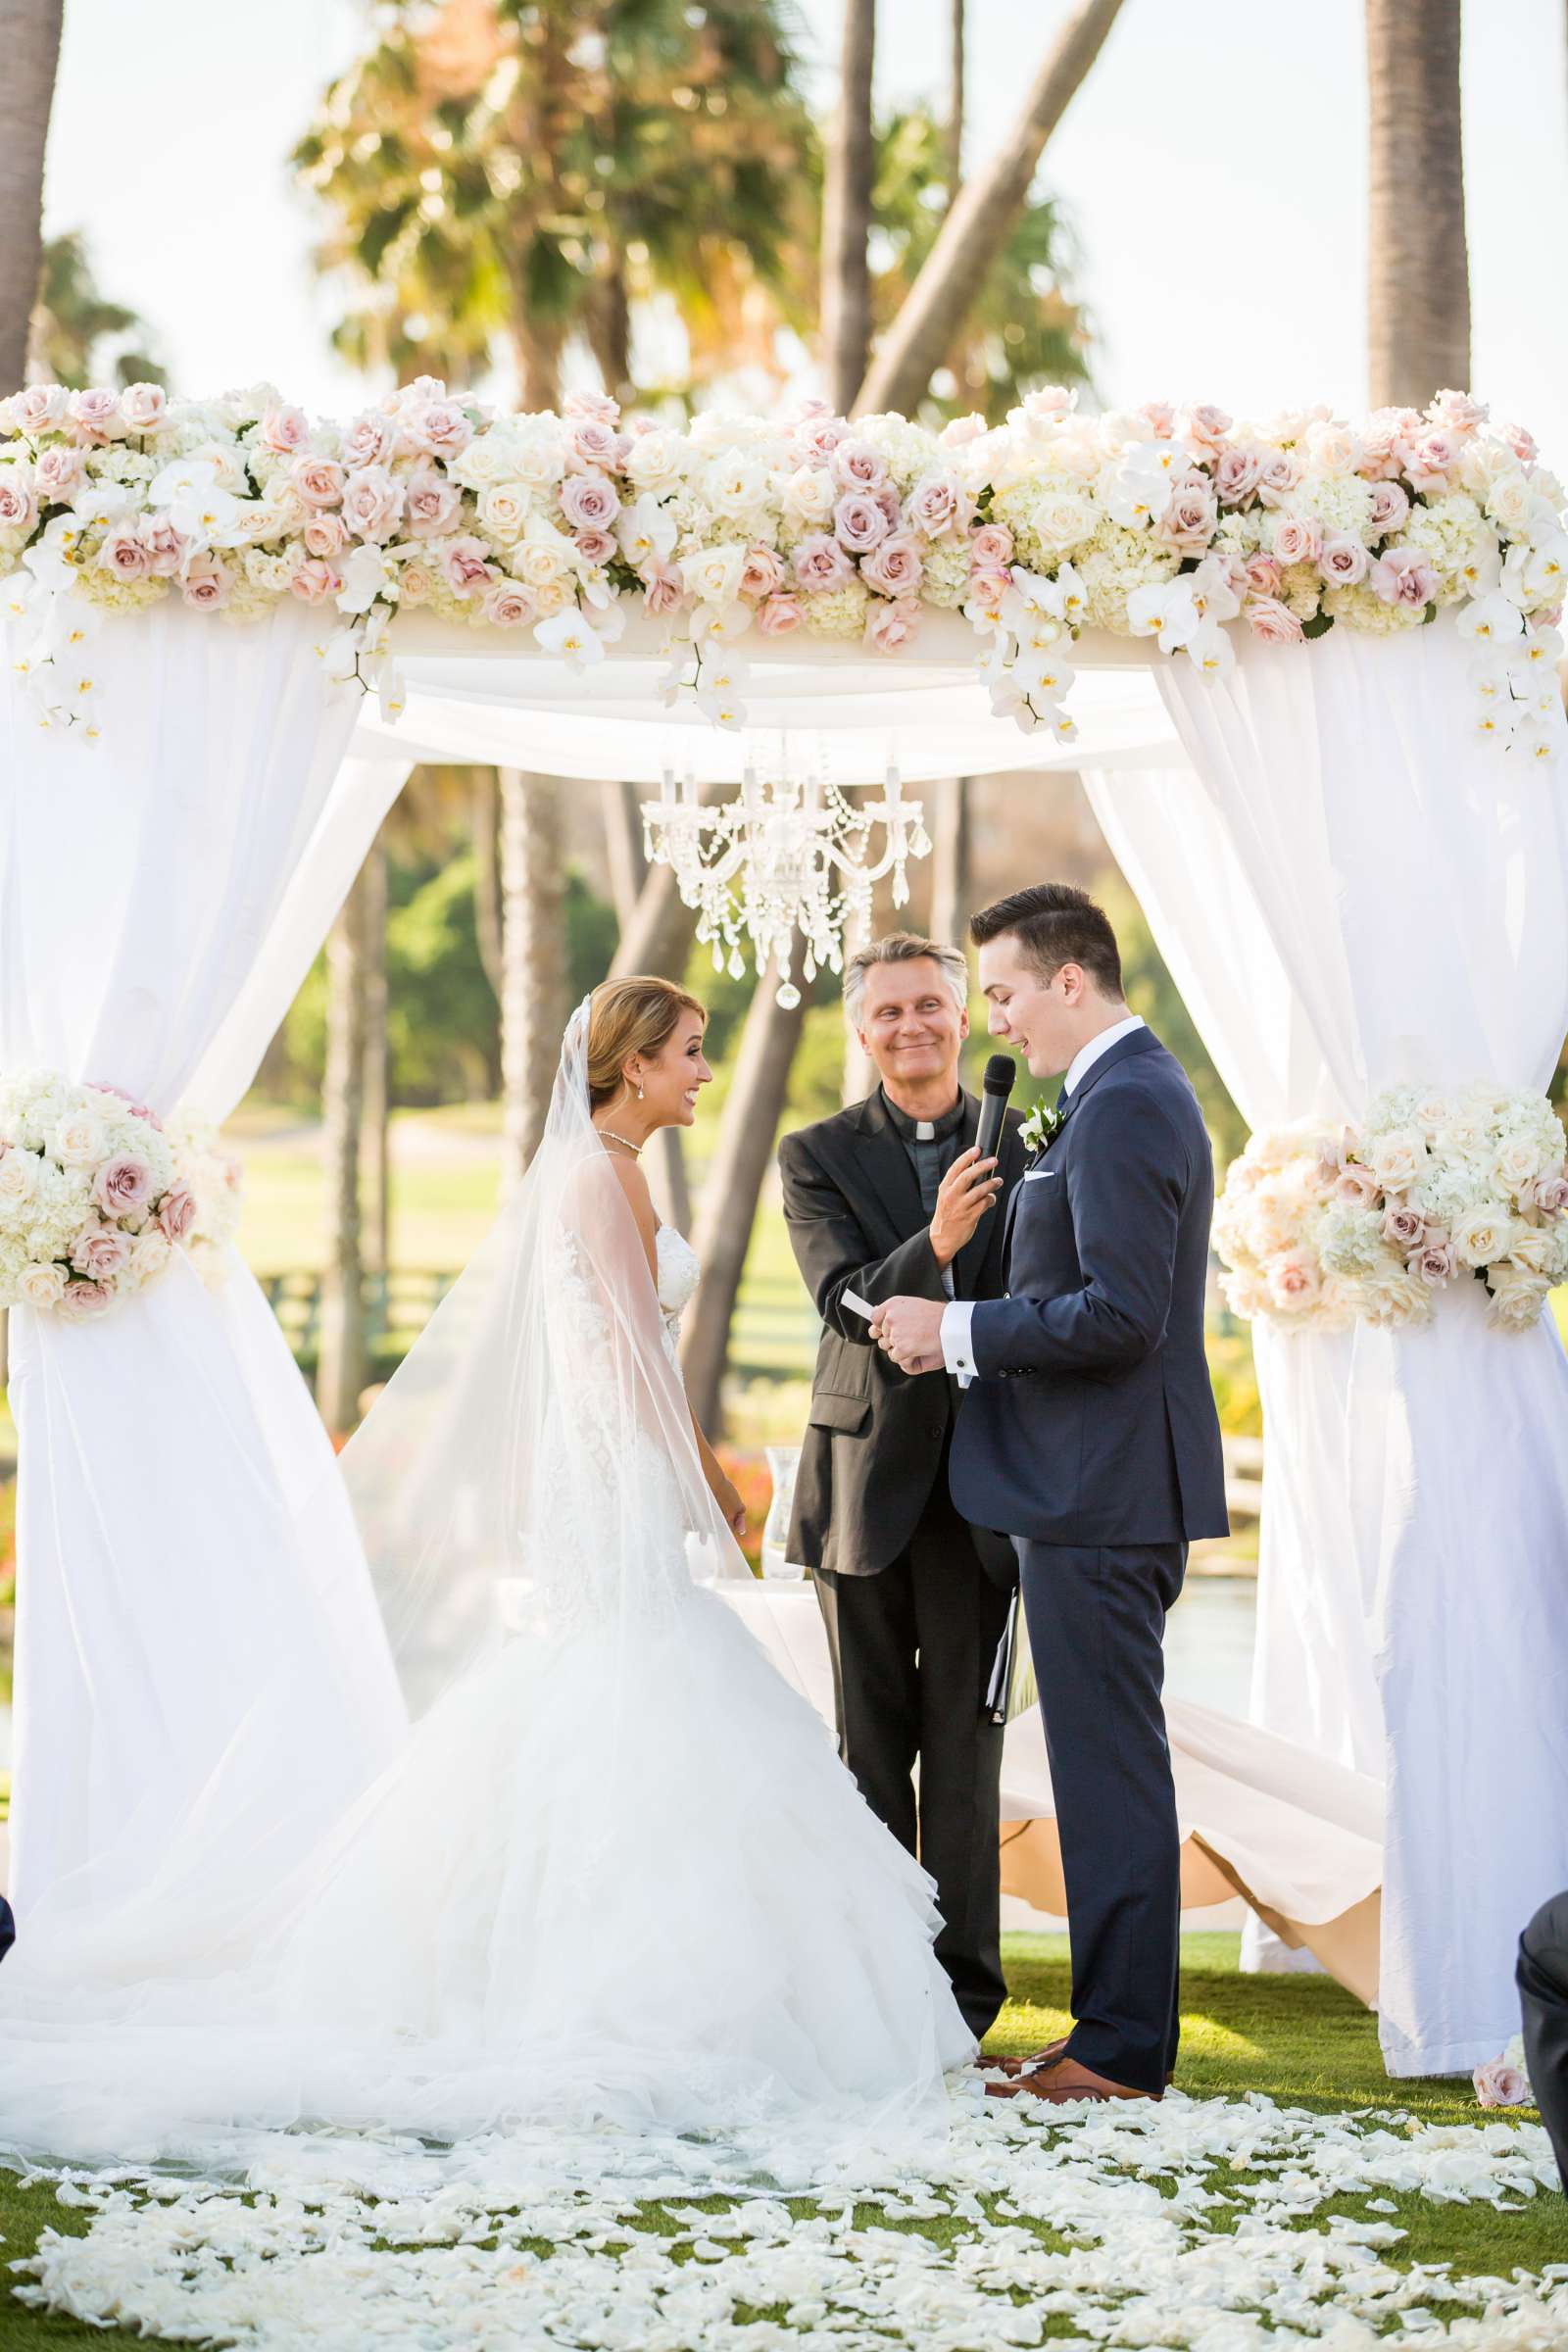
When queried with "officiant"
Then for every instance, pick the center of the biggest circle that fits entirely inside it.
(887, 1198)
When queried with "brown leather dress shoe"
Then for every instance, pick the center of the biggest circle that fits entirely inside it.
(1063, 2082)
(1035, 2063)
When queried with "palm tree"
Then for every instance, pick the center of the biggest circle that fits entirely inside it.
(376, 1105)
(949, 856)
(79, 336)
(533, 1006)
(513, 174)
(29, 43)
(954, 124)
(976, 230)
(1418, 275)
(341, 1362)
(851, 170)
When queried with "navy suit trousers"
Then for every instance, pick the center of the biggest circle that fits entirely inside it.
(1096, 1623)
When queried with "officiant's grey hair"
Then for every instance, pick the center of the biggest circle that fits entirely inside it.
(903, 947)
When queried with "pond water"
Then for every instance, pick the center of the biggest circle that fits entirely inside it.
(1208, 1647)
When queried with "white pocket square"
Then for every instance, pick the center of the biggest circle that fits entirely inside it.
(1035, 1175)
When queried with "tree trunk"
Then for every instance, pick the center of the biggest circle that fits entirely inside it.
(487, 875)
(533, 1006)
(949, 828)
(733, 1184)
(955, 100)
(377, 1126)
(859, 1070)
(658, 937)
(977, 227)
(623, 845)
(1418, 276)
(340, 1362)
(29, 43)
(846, 270)
(666, 1156)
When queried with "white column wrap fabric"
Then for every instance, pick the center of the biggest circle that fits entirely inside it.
(1356, 890)
(186, 1630)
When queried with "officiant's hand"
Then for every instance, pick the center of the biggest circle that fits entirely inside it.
(966, 1192)
(909, 1331)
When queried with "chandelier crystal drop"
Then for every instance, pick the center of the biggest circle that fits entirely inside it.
(792, 853)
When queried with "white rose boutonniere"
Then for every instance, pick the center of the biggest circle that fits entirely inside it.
(1041, 1128)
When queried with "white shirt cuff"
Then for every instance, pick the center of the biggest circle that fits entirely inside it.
(956, 1352)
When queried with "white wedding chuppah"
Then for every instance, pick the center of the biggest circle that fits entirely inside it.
(181, 1614)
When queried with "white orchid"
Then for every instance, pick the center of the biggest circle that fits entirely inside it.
(367, 573)
(1492, 620)
(196, 505)
(645, 531)
(1139, 486)
(570, 638)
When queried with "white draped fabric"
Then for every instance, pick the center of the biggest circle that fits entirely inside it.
(1354, 890)
(182, 1632)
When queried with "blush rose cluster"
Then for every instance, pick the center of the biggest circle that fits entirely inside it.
(98, 1196)
(1321, 1228)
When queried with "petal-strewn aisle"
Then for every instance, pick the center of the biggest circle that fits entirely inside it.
(1201, 2223)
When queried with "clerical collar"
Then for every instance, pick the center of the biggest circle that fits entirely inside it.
(924, 1131)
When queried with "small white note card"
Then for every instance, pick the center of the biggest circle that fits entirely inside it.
(856, 1304)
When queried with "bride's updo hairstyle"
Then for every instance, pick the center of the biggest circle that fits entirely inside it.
(636, 1014)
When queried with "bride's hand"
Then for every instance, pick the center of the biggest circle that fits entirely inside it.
(727, 1496)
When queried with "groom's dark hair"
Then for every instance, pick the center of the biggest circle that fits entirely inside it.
(1054, 923)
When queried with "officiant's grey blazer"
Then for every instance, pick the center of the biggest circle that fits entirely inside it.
(878, 1438)
(1093, 1420)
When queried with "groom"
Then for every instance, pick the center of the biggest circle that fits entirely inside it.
(1090, 1435)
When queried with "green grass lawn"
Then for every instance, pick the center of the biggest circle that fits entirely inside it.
(1299, 2040)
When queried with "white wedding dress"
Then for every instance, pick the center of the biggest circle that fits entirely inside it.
(616, 1882)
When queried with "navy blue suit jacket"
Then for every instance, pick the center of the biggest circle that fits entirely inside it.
(1093, 1421)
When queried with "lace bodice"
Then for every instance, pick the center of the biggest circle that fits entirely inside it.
(679, 1271)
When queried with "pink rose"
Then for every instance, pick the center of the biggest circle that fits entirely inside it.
(1356, 1185)
(1278, 477)
(821, 437)
(597, 404)
(39, 408)
(437, 429)
(207, 586)
(856, 465)
(373, 504)
(143, 407)
(1297, 540)
(991, 548)
(961, 431)
(1456, 412)
(594, 547)
(370, 440)
(166, 546)
(762, 572)
(138, 1110)
(894, 568)
(820, 562)
(99, 1252)
(1404, 1227)
(1189, 518)
(315, 581)
(123, 553)
(1160, 417)
(122, 1188)
(96, 416)
(1049, 405)
(1433, 459)
(285, 430)
(859, 523)
(892, 506)
(1434, 1262)
(177, 1212)
(1271, 621)
(59, 473)
(433, 503)
(1390, 505)
(595, 442)
(325, 534)
(1237, 474)
(1342, 561)
(1294, 1281)
(891, 626)
(1499, 2085)
(318, 481)
(1381, 437)
(1206, 426)
(987, 585)
(1262, 573)
(1401, 575)
(467, 566)
(1551, 1192)
(1524, 445)
(938, 506)
(19, 499)
(85, 1298)
(662, 591)
(506, 605)
(779, 614)
(589, 501)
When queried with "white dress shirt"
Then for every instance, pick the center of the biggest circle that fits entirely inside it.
(956, 1353)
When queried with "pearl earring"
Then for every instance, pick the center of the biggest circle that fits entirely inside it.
(639, 1094)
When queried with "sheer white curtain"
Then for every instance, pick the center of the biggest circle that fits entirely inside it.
(1356, 890)
(182, 1627)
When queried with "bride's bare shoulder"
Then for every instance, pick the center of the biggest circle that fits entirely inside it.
(634, 1185)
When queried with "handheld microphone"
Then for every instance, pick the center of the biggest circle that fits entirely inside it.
(1001, 1073)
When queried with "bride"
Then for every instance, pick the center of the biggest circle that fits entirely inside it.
(616, 1878)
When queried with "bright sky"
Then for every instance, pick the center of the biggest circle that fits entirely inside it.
(1213, 164)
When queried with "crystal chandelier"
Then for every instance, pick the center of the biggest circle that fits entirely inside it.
(789, 855)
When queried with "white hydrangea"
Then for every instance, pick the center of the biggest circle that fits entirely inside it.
(838, 612)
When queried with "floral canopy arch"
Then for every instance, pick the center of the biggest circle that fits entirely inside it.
(1308, 672)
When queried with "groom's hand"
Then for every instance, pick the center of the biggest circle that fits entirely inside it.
(909, 1331)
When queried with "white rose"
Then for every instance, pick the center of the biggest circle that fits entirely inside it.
(504, 508)
(42, 1287)
(544, 556)
(1483, 1235)
(714, 575)
(80, 1141)
(653, 461)
(1517, 1164)
(1516, 1298)
(18, 1176)
(734, 484)
(1535, 1251)
(808, 495)
(1395, 1157)
(149, 1257)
